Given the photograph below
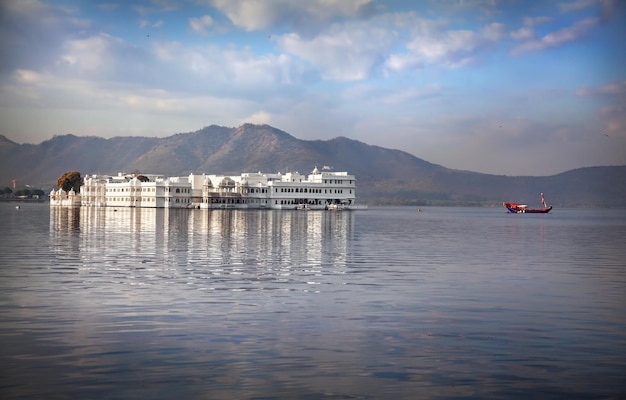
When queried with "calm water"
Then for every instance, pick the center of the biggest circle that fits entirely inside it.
(451, 303)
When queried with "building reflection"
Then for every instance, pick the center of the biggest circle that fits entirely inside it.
(280, 241)
(65, 236)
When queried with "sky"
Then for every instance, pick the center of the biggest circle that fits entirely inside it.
(517, 87)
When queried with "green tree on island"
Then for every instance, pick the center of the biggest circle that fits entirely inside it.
(70, 180)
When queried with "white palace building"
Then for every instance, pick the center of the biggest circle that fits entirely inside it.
(319, 190)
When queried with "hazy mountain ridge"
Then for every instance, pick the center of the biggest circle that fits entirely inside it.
(383, 175)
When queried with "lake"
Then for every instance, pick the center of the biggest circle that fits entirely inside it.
(388, 303)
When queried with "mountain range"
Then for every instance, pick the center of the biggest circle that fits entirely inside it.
(384, 176)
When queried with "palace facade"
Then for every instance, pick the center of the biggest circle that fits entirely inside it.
(323, 189)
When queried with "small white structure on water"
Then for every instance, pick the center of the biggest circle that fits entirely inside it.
(65, 199)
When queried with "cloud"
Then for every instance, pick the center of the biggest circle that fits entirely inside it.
(28, 77)
(156, 6)
(345, 52)
(608, 9)
(373, 94)
(612, 89)
(534, 21)
(201, 25)
(228, 72)
(253, 15)
(614, 118)
(523, 33)
(32, 33)
(41, 38)
(486, 7)
(81, 66)
(172, 66)
(42, 89)
(412, 94)
(558, 38)
(60, 73)
(107, 59)
(450, 49)
(116, 106)
(613, 114)
(576, 5)
(526, 32)
(108, 6)
(259, 117)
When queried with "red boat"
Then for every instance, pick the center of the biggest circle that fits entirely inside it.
(524, 209)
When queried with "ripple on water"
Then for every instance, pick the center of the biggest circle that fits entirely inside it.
(387, 303)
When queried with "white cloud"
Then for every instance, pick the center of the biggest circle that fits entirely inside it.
(523, 33)
(143, 23)
(615, 88)
(558, 38)
(250, 71)
(155, 6)
(90, 53)
(452, 48)
(85, 99)
(173, 66)
(576, 5)
(31, 33)
(202, 24)
(28, 77)
(344, 52)
(254, 15)
(259, 117)
(526, 32)
(229, 71)
(534, 21)
(354, 51)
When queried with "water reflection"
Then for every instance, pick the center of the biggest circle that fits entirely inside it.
(216, 303)
(201, 244)
(448, 303)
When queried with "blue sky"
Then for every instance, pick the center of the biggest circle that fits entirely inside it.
(502, 87)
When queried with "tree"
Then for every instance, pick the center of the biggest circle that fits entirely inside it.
(143, 178)
(8, 190)
(70, 180)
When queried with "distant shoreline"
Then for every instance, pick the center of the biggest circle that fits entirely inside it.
(17, 199)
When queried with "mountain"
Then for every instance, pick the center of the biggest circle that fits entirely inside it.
(383, 175)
